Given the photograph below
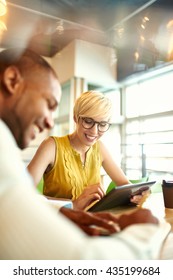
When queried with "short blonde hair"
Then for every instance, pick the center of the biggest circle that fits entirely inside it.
(92, 104)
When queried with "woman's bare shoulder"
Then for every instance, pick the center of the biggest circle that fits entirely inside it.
(48, 143)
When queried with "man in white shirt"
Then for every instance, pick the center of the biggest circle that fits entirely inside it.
(30, 227)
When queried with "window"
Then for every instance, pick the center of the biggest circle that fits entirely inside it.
(62, 114)
(148, 144)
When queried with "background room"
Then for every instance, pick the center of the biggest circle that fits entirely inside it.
(122, 48)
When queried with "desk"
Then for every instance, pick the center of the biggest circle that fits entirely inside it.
(155, 203)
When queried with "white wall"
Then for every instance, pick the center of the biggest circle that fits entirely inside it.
(86, 60)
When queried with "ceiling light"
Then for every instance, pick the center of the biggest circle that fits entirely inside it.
(146, 19)
(3, 7)
(60, 27)
(136, 55)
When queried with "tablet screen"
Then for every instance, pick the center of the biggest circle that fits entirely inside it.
(120, 196)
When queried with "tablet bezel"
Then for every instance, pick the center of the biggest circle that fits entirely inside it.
(119, 196)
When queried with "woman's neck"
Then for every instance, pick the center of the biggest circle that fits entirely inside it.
(76, 144)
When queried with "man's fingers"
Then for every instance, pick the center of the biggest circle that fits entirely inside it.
(103, 223)
(107, 216)
(99, 231)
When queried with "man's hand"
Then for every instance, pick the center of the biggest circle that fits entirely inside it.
(141, 216)
(105, 223)
(92, 223)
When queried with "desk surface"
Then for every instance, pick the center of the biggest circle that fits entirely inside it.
(155, 203)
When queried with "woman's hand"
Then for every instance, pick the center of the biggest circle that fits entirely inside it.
(141, 197)
(92, 193)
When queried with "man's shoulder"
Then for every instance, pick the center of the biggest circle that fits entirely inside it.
(13, 170)
(6, 135)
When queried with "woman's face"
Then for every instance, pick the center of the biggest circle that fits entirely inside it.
(89, 130)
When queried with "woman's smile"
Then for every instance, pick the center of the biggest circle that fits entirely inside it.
(91, 138)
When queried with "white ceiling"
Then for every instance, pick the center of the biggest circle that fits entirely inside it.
(33, 23)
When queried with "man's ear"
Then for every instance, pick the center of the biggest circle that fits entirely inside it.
(74, 118)
(12, 79)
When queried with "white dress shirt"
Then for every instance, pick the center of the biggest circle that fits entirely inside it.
(30, 228)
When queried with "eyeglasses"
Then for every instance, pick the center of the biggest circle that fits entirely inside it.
(89, 123)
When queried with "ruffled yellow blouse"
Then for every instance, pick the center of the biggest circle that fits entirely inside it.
(68, 177)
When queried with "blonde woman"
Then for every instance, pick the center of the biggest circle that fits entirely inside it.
(71, 164)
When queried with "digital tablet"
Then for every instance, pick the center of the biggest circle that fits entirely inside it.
(120, 196)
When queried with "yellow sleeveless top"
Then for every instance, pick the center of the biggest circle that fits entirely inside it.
(68, 177)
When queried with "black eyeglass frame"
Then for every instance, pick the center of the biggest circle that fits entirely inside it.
(93, 124)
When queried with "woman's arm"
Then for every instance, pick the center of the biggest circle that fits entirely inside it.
(111, 167)
(116, 173)
(43, 160)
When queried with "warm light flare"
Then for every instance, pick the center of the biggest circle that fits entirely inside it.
(170, 24)
(142, 38)
(3, 27)
(136, 54)
(3, 7)
(170, 30)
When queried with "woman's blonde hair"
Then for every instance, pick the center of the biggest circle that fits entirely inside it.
(92, 104)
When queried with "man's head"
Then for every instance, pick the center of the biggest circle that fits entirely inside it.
(29, 93)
